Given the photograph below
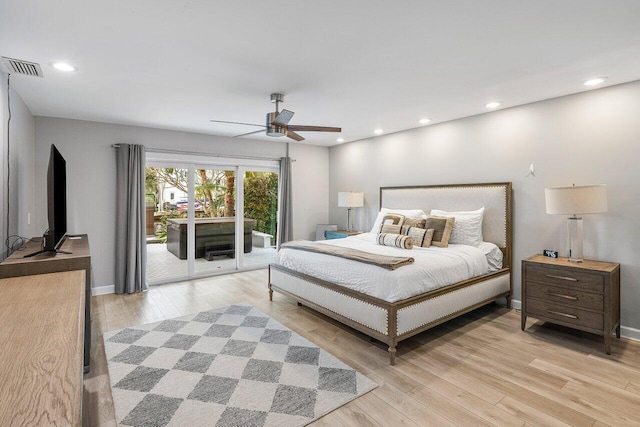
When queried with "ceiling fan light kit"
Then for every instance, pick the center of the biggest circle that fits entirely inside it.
(276, 131)
(277, 123)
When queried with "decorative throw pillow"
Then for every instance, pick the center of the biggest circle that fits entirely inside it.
(428, 238)
(391, 228)
(412, 222)
(420, 236)
(442, 227)
(395, 240)
(407, 213)
(468, 226)
(392, 219)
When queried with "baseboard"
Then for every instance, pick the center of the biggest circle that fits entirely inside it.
(630, 333)
(625, 331)
(103, 290)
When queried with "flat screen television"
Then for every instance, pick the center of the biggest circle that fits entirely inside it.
(56, 201)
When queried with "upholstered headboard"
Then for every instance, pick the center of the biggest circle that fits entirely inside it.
(495, 197)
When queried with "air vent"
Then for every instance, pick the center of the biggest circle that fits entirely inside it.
(18, 66)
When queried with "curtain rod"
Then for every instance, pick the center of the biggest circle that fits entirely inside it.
(197, 153)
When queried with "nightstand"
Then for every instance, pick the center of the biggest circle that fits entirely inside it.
(584, 296)
(339, 234)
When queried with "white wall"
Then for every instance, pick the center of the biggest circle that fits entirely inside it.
(310, 189)
(588, 138)
(91, 178)
(18, 139)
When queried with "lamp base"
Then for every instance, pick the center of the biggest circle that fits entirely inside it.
(348, 219)
(574, 239)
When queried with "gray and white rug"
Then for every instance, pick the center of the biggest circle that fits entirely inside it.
(231, 366)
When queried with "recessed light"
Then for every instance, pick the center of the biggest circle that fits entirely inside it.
(594, 82)
(424, 121)
(340, 140)
(63, 66)
(493, 105)
(378, 131)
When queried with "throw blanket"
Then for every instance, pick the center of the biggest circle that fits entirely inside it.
(384, 261)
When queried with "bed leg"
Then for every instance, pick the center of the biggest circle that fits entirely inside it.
(299, 304)
(508, 301)
(392, 355)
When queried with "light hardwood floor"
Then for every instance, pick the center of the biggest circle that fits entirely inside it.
(477, 370)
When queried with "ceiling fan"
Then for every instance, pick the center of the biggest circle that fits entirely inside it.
(277, 123)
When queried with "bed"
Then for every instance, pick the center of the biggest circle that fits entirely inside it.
(391, 319)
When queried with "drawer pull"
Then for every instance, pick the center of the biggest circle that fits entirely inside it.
(571, 279)
(570, 316)
(562, 296)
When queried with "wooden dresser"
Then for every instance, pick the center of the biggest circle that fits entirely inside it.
(79, 258)
(41, 348)
(584, 296)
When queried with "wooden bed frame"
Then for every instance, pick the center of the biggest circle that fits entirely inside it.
(393, 322)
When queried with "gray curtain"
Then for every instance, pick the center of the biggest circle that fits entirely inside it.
(131, 248)
(285, 209)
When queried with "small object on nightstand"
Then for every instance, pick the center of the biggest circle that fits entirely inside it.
(340, 234)
(584, 296)
(550, 254)
(322, 228)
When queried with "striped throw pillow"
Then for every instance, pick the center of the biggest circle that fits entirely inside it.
(396, 240)
(420, 236)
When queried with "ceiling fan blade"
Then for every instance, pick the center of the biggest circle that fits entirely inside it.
(301, 128)
(291, 134)
(250, 133)
(283, 118)
(237, 123)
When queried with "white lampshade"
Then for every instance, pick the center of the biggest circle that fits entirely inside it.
(350, 199)
(586, 199)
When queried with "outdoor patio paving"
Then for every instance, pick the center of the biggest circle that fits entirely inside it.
(162, 264)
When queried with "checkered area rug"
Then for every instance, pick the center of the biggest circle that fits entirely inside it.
(231, 366)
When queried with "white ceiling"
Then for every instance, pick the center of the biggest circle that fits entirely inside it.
(361, 65)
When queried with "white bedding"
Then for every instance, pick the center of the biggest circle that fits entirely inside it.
(433, 267)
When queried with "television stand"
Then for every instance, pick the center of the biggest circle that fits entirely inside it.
(74, 255)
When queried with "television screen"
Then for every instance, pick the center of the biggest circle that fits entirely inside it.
(56, 200)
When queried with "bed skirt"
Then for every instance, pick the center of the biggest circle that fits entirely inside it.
(385, 321)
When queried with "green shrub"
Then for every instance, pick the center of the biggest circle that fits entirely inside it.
(261, 200)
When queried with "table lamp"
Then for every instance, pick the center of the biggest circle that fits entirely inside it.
(350, 200)
(574, 201)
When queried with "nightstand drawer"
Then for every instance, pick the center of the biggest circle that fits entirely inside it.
(565, 277)
(566, 296)
(563, 313)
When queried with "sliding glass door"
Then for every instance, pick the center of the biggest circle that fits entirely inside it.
(166, 196)
(261, 206)
(215, 219)
(205, 219)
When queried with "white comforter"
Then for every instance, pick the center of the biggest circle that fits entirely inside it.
(433, 267)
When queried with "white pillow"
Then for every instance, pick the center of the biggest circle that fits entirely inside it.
(407, 213)
(493, 254)
(467, 229)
